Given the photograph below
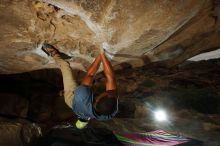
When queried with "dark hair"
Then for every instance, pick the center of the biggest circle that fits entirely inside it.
(106, 106)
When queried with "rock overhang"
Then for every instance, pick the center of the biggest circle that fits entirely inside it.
(169, 31)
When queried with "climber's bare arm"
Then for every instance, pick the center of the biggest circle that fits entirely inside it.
(88, 79)
(109, 73)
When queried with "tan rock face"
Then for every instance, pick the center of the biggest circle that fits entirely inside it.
(169, 31)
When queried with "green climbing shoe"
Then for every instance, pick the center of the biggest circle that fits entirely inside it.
(81, 124)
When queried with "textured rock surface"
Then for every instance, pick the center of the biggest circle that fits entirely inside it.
(17, 132)
(169, 31)
(13, 105)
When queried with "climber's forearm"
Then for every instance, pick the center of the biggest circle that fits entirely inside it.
(88, 79)
(95, 66)
(110, 84)
(109, 73)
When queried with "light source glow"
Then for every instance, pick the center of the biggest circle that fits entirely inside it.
(160, 115)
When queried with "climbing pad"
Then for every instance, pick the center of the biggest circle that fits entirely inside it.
(70, 136)
(154, 138)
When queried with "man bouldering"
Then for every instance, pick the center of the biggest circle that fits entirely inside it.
(80, 98)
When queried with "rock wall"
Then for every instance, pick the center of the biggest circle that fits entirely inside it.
(168, 31)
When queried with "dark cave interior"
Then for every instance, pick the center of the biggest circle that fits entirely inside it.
(189, 92)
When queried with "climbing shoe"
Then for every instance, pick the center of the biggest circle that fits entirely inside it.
(49, 49)
(80, 124)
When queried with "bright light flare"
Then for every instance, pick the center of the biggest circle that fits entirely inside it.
(160, 115)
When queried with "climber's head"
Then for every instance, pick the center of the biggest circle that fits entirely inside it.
(105, 103)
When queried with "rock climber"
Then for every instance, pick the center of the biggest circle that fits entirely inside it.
(80, 98)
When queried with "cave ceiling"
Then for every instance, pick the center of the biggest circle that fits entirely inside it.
(133, 31)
